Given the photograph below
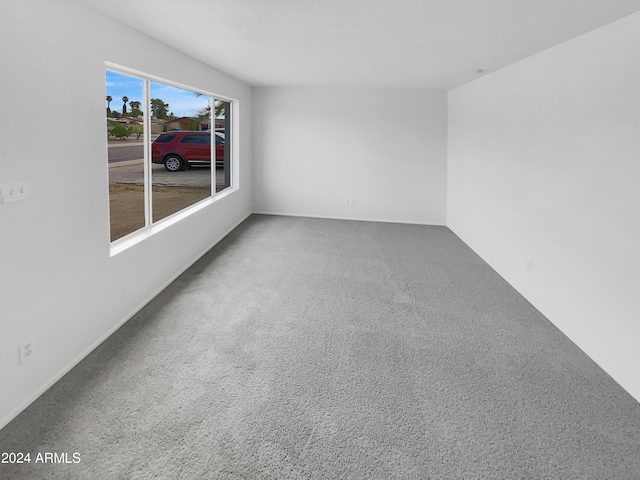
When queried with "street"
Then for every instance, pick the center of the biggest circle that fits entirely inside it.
(132, 171)
(120, 153)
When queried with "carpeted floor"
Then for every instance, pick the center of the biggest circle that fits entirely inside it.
(309, 348)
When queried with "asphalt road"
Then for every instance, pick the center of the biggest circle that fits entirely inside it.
(132, 171)
(120, 153)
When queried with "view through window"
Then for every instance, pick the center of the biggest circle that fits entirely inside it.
(161, 141)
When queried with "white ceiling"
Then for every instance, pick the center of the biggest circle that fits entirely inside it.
(436, 44)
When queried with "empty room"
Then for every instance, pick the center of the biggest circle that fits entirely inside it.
(415, 255)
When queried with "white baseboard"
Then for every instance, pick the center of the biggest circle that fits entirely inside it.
(355, 219)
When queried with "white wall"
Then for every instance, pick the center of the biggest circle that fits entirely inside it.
(384, 148)
(544, 165)
(61, 289)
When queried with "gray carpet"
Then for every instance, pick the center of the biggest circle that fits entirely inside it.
(309, 348)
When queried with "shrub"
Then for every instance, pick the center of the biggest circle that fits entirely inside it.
(137, 131)
(119, 130)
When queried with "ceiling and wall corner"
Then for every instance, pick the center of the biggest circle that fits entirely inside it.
(432, 44)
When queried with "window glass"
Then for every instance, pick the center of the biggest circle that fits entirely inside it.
(204, 139)
(222, 120)
(125, 140)
(164, 138)
(180, 175)
(155, 173)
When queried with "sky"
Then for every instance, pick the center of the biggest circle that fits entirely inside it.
(182, 103)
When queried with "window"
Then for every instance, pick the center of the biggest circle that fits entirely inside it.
(160, 151)
(125, 155)
(164, 138)
(196, 139)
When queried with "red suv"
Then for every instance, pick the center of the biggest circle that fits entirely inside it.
(180, 150)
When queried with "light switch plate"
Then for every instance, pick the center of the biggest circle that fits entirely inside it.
(14, 191)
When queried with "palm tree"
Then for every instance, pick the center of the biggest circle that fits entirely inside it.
(124, 105)
(135, 108)
(219, 109)
(109, 99)
(218, 104)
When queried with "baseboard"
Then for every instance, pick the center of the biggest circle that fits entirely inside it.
(355, 219)
(47, 385)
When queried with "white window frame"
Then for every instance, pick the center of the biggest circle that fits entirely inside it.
(150, 228)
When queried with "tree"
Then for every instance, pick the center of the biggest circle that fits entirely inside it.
(159, 109)
(135, 108)
(137, 130)
(219, 106)
(124, 105)
(109, 100)
(205, 112)
(119, 130)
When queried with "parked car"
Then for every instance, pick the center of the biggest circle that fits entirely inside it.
(183, 149)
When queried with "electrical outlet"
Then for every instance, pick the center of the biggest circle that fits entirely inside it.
(529, 266)
(26, 352)
(352, 202)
